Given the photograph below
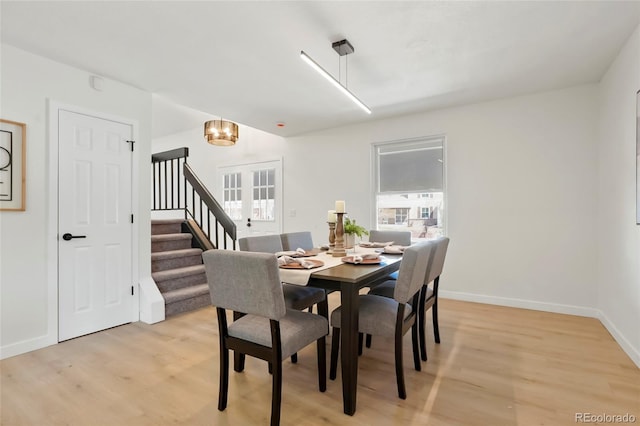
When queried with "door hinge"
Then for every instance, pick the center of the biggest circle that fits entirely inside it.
(132, 290)
(131, 218)
(132, 143)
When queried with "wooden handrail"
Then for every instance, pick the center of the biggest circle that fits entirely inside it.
(174, 186)
(221, 216)
(170, 155)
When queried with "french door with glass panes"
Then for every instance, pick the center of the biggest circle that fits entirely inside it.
(252, 195)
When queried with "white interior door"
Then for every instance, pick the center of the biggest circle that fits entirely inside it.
(94, 224)
(252, 195)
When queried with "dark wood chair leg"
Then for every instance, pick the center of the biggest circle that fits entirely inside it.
(276, 397)
(360, 340)
(322, 364)
(335, 345)
(402, 392)
(238, 358)
(436, 328)
(270, 367)
(420, 319)
(323, 308)
(294, 358)
(238, 361)
(224, 379)
(414, 345)
(368, 341)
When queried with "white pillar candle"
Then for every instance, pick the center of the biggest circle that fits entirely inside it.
(331, 216)
(340, 206)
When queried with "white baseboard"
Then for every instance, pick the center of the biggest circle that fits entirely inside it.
(151, 302)
(25, 346)
(521, 303)
(557, 308)
(627, 347)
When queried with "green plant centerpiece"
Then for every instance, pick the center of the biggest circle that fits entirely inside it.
(351, 230)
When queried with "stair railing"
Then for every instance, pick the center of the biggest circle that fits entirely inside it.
(176, 187)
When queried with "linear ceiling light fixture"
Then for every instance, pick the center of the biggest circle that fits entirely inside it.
(343, 47)
(221, 132)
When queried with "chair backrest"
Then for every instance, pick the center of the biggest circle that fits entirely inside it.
(437, 262)
(413, 269)
(400, 238)
(245, 282)
(296, 240)
(262, 243)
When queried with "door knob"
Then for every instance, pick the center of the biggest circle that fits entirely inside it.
(68, 236)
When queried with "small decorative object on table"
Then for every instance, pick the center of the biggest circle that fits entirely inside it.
(338, 249)
(331, 221)
(351, 229)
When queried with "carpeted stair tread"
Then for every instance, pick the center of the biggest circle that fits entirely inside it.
(177, 268)
(186, 293)
(187, 305)
(170, 237)
(166, 226)
(173, 254)
(169, 242)
(166, 221)
(165, 260)
(172, 274)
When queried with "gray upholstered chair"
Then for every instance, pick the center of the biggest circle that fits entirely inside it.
(428, 296)
(250, 283)
(399, 238)
(295, 296)
(296, 240)
(387, 317)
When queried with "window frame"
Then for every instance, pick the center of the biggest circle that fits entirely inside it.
(375, 171)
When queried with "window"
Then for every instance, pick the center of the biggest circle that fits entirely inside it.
(425, 212)
(409, 186)
(232, 204)
(263, 204)
(402, 216)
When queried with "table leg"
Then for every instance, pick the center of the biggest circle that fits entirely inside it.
(349, 345)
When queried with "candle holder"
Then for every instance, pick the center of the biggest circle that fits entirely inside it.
(338, 249)
(332, 236)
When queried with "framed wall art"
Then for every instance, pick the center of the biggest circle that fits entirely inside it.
(12, 165)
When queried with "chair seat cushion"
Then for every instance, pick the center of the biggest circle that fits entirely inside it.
(297, 330)
(301, 297)
(377, 315)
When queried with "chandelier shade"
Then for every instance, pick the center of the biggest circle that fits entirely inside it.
(221, 132)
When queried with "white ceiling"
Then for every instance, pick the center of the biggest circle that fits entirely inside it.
(240, 60)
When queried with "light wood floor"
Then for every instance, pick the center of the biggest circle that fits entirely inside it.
(495, 366)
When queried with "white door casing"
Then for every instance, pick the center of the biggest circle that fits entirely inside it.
(95, 279)
(257, 199)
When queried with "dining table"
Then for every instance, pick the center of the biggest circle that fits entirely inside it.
(348, 279)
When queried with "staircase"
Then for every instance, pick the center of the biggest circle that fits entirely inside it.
(177, 267)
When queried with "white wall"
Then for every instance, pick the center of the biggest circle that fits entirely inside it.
(619, 247)
(28, 82)
(520, 182)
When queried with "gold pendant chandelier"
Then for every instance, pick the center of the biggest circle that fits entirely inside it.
(221, 132)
